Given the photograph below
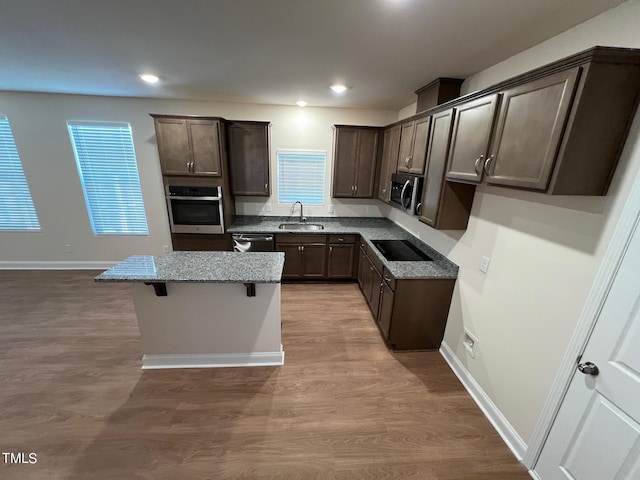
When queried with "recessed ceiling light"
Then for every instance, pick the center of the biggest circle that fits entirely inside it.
(338, 88)
(301, 103)
(149, 78)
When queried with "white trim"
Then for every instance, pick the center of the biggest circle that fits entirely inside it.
(534, 475)
(213, 360)
(600, 289)
(56, 265)
(490, 410)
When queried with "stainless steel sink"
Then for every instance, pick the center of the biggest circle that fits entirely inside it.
(309, 227)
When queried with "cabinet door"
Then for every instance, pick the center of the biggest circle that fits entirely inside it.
(386, 310)
(292, 260)
(361, 268)
(345, 158)
(420, 142)
(367, 158)
(204, 138)
(249, 158)
(341, 258)
(436, 162)
(406, 146)
(376, 291)
(390, 149)
(173, 146)
(470, 139)
(367, 279)
(529, 130)
(313, 261)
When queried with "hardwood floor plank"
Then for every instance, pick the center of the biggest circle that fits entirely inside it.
(342, 407)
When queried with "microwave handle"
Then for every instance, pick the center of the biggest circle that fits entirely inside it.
(404, 189)
(179, 197)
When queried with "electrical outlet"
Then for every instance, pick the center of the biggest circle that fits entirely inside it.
(470, 343)
(67, 248)
(165, 248)
(267, 207)
(484, 264)
(330, 208)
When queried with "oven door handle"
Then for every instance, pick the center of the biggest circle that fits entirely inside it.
(404, 189)
(179, 197)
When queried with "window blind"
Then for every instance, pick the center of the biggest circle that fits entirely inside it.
(301, 177)
(16, 205)
(109, 175)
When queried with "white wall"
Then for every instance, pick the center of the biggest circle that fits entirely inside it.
(39, 121)
(544, 250)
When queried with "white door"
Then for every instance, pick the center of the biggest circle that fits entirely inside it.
(596, 435)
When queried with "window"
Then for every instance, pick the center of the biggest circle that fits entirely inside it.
(16, 205)
(301, 176)
(109, 176)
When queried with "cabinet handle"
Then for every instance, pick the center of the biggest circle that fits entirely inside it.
(266, 186)
(477, 167)
(406, 162)
(330, 249)
(302, 248)
(487, 165)
(299, 249)
(189, 167)
(341, 239)
(410, 161)
(387, 279)
(193, 167)
(371, 268)
(356, 189)
(384, 190)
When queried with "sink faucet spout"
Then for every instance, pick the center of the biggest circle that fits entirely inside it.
(302, 217)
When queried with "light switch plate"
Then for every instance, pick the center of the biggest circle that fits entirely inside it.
(267, 207)
(484, 264)
(330, 208)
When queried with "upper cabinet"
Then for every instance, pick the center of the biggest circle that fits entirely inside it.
(390, 148)
(413, 145)
(355, 161)
(445, 205)
(470, 138)
(249, 158)
(559, 129)
(188, 146)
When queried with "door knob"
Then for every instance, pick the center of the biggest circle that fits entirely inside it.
(589, 368)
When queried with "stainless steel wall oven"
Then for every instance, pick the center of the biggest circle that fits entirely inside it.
(195, 209)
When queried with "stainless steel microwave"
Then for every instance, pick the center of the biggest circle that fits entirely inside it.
(406, 191)
(195, 209)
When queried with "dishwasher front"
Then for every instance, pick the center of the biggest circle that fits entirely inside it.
(243, 242)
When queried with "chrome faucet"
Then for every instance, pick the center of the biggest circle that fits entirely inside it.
(293, 207)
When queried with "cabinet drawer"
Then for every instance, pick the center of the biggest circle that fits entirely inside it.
(389, 279)
(342, 238)
(301, 239)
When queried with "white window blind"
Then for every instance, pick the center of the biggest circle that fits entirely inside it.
(301, 177)
(16, 205)
(109, 175)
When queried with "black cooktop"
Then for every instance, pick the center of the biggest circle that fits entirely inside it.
(401, 251)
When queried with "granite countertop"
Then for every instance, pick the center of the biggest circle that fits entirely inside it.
(199, 267)
(369, 228)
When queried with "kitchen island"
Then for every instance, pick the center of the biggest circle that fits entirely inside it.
(205, 309)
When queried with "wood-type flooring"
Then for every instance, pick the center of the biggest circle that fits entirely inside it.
(341, 408)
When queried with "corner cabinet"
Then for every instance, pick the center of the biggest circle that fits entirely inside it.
(355, 161)
(189, 146)
(388, 162)
(249, 158)
(445, 205)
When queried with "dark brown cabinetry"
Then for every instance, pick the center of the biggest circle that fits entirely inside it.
(249, 158)
(304, 256)
(470, 138)
(189, 146)
(413, 145)
(388, 161)
(342, 255)
(444, 205)
(355, 161)
(199, 242)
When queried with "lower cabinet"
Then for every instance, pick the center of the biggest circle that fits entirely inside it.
(411, 314)
(304, 256)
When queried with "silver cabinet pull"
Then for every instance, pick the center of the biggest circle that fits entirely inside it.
(384, 190)
(356, 189)
(487, 165)
(341, 239)
(302, 247)
(406, 162)
(330, 249)
(371, 268)
(387, 278)
(410, 161)
(299, 249)
(266, 186)
(193, 167)
(477, 166)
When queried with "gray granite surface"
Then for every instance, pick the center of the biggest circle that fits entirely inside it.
(199, 267)
(370, 228)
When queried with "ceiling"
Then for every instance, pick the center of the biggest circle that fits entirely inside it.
(269, 51)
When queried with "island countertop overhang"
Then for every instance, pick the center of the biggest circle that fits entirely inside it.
(198, 267)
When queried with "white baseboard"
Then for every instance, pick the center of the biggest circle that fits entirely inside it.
(213, 360)
(55, 265)
(534, 475)
(490, 410)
